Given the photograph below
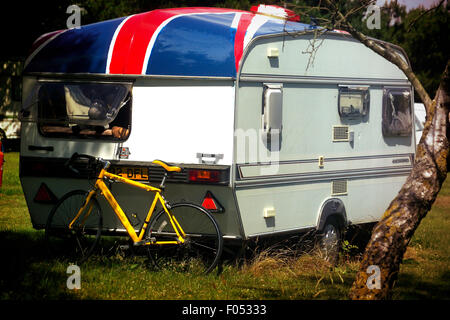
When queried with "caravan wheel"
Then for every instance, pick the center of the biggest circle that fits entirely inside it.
(330, 240)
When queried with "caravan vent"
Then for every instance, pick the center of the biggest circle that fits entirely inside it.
(338, 187)
(341, 133)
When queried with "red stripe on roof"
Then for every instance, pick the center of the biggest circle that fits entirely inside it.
(134, 37)
(132, 41)
(244, 22)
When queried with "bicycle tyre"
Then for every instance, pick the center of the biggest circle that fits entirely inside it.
(203, 246)
(80, 241)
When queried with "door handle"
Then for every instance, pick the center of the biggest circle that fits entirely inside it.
(40, 148)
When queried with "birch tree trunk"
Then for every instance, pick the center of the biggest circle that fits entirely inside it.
(392, 234)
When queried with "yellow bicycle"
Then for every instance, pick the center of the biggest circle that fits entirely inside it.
(183, 233)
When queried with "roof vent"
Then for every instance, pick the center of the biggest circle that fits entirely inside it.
(275, 12)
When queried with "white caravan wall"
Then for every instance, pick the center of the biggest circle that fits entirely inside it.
(174, 123)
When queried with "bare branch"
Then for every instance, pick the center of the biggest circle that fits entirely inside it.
(314, 45)
(424, 13)
(390, 55)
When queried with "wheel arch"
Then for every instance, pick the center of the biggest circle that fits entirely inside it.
(333, 207)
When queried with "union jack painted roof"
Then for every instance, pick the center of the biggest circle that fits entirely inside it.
(177, 42)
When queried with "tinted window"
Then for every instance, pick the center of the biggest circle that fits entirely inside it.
(397, 119)
(101, 110)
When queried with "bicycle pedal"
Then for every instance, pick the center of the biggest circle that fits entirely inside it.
(124, 247)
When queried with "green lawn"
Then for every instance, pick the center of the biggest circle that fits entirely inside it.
(27, 273)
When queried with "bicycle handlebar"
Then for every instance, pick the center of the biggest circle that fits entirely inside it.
(77, 155)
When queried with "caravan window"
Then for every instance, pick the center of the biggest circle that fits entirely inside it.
(397, 118)
(83, 110)
(353, 101)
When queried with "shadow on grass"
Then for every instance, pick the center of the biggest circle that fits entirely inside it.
(27, 272)
(410, 288)
(324, 286)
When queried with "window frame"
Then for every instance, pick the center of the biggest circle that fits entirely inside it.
(386, 128)
(365, 93)
(105, 135)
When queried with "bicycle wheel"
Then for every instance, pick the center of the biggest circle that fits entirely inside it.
(201, 251)
(79, 241)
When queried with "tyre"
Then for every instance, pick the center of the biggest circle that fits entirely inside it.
(78, 242)
(203, 243)
(330, 240)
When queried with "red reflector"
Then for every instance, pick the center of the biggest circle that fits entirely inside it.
(210, 203)
(45, 195)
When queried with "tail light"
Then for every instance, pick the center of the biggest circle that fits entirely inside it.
(208, 176)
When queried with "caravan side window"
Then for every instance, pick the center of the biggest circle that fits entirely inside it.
(397, 118)
(353, 101)
(84, 109)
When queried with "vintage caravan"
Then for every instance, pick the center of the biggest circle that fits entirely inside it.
(273, 136)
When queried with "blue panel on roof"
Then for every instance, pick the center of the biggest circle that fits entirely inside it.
(81, 50)
(207, 44)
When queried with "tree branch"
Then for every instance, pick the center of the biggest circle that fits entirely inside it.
(390, 55)
(422, 14)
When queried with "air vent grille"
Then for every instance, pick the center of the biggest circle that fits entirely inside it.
(339, 187)
(341, 133)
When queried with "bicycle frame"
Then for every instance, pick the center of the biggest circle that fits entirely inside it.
(100, 185)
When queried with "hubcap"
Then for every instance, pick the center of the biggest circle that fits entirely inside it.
(329, 240)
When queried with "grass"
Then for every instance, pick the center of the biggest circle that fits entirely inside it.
(27, 273)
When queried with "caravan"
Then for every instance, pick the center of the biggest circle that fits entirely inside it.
(272, 138)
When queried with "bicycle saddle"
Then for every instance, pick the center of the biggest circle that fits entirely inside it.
(166, 166)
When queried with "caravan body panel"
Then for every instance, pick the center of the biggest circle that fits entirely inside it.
(296, 178)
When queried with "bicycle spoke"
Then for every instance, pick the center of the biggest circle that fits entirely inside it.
(79, 241)
(203, 246)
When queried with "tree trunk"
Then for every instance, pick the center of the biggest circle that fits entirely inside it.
(392, 234)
